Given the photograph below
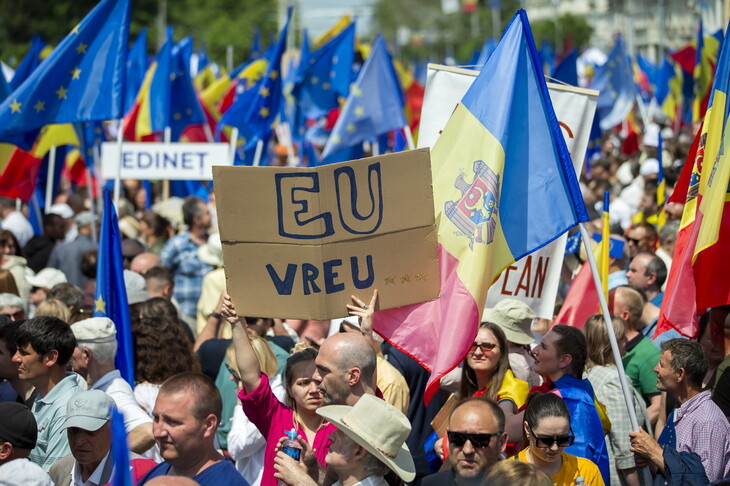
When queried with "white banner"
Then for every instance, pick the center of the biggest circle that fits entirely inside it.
(165, 161)
(533, 279)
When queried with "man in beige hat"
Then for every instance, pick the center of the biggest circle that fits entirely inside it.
(515, 317)
(360, 453)
(93, 359)
(41, 284)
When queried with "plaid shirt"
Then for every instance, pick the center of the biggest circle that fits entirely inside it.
(180, 255)
(702, 428)
(605, 382)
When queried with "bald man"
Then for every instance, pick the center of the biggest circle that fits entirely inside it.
(144, 261)
(641, 355)
(345, 369)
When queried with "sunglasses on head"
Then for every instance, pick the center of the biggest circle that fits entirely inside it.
(478, 441)
(483, 346)
(548, 441)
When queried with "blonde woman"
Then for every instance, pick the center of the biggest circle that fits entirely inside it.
(55, 308)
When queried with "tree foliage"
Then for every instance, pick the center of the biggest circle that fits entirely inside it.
(571, 29)
(212, 23)
(433, 34)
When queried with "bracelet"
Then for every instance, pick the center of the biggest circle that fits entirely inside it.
(217, 315)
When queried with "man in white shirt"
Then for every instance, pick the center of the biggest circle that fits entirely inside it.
(14, 221)
(93, 359)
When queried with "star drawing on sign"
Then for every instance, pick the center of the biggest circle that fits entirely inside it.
(390, 280)
(421, 277)
(405, 278)
(76, 73)
(15, 106)
(100, 305)
(39, 106)
(81, 48)
(61, 92)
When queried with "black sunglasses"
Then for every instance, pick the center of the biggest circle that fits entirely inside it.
(478, 441)
(548, 441)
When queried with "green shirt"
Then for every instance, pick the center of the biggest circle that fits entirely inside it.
(50, 414)
(639, 363)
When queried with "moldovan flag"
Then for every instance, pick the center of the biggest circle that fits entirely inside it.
(504, 186)
(698, 277)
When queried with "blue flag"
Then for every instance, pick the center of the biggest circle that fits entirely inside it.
(567, 70)
(615, 81)
(82, 79)
(255, 110)
(375, 104)
(136, 69)
(120, 451)
(327, 77)
(184, 105)
(29, 63)
(485, 53)
(111, 294)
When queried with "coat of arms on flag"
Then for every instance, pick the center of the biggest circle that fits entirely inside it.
(475, 212)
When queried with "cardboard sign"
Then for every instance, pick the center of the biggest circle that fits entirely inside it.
(165, 161)
(297, 242)
(533, 279)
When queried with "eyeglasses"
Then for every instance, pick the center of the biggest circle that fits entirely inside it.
(233, 372)
(484, 347)
(548, 441)
(635, 241)
(478, 441)
(15, 316)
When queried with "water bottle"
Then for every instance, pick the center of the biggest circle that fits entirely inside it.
(291, 448)
(580, 481)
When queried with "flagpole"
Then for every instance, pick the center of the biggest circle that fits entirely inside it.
(166, 137)
(628, 396)
(233, 141)
(118, 175)
(91, 201)
(208, 132)
(375, 147)
(409, 137)
(49, 177)
(257, 154)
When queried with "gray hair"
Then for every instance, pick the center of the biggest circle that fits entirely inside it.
(104, 353)
(689, 356)
(668, 231)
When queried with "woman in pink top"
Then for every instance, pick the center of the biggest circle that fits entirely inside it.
(270, 416)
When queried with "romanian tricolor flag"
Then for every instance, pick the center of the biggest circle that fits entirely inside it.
(704, 71)
(698, 276)
(504, 186)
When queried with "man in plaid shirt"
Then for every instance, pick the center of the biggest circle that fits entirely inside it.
(697, 426)
(180, 255)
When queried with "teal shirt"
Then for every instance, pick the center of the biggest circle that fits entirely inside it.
(50, 414)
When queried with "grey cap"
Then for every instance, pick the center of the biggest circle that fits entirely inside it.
(95, 330)
(84, 218)
(89, 410)
(514, 317)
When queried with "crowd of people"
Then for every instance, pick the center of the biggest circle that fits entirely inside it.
(216, 390)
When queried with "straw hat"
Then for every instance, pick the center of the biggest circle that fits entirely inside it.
(387, 441)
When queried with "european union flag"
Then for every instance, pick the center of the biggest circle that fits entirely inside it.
(615, 81)
(111, 294)
(375, 104)
(29, 63)
(328, 75)
(567, 70)
(120, 451)
(136, 68)
(81, 80)
(254, 111)
(184, 105)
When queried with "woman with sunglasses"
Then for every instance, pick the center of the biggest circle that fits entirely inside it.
(486, 373)
(267, 413)
(547, 433)
(560, 358)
